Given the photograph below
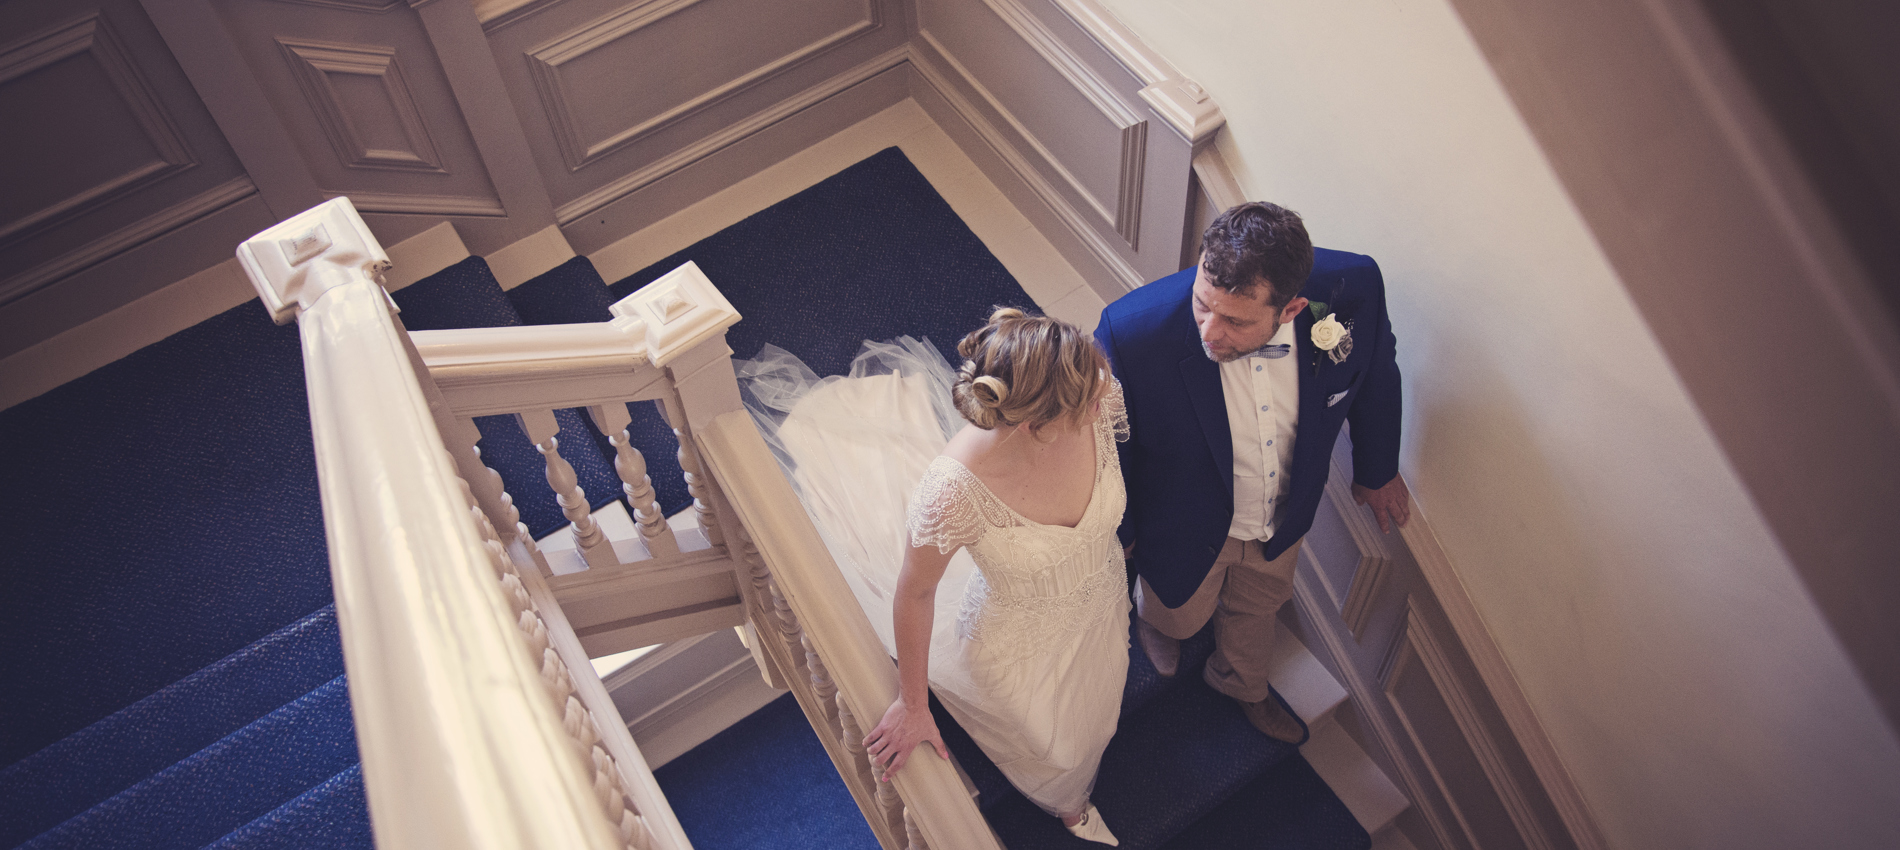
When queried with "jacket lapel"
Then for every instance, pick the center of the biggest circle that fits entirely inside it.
(1201, 377)
(1312, 391)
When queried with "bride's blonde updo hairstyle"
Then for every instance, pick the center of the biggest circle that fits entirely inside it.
(1026, 369)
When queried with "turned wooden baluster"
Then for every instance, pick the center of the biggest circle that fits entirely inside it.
(759, 610)
(483, 482)
(891, 804)
(581, 724)
(696, 482)
(853, 732)
(776, 608)
(914, 838)
(612, 420)
(821, 684)
(755, 566)
(542, 428)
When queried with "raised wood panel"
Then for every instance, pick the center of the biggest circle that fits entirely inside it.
(86, 127)
(615, 96)
(1422, 699)
(360, 91)
(108, 149)
(363, 103)
(1420, 706)
(1077, 127)
(622, 77)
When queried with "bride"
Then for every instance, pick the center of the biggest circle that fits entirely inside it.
(1016, 510)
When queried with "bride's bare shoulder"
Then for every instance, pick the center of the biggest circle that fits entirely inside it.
(969, 445)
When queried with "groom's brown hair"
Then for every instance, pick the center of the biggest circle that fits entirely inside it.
(1254, 242)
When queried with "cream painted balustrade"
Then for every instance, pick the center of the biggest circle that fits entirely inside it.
(480, 721)
(473, 713)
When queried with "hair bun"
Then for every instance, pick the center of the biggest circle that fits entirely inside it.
(990, 391)
(1002, 313)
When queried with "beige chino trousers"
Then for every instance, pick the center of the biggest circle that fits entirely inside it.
(1242, 593)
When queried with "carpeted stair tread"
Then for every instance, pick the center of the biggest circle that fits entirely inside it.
(572, 293)
(1177, 759)
(332, 816)
(156, 732)
(1288, 807)
(226, 785)
(1143, 687)
(1145, 684)
(161, 514)
(764, 782)
(466, 295)
(872, 252)
(1175, 734)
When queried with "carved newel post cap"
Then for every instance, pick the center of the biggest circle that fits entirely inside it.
(680, 310)
(293, 263)
(1186, 107)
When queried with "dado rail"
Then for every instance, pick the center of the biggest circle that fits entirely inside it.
(480, 721)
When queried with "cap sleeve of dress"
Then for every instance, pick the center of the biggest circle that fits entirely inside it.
(944, 509)
(1115, 411)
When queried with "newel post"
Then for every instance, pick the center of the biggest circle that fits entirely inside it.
(295, 262)
(684, 319)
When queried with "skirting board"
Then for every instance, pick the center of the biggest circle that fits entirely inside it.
(529, 257)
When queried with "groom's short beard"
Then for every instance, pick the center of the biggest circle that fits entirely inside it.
(1209, 350)
(1217, 358)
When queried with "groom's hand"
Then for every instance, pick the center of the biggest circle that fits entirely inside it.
(1391, 503)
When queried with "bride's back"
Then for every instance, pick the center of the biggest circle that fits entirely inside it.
(1048, 483)
(1031, 388)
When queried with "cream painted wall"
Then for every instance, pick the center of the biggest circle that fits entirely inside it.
(1663, 639)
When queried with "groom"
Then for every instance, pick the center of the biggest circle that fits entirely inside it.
(1238, 374)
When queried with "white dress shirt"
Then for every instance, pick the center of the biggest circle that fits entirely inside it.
(1263, 409)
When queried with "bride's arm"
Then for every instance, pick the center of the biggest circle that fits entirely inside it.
(907, 722)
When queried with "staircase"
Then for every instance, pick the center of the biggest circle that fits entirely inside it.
(256, 748)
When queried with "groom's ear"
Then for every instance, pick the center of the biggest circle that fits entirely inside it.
(1293, 308)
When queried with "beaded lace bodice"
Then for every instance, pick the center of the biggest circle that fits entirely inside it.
(1034, 581)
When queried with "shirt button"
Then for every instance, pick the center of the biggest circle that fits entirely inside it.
(1258, 368)
(1269, 442)
(1271, 474)
(1263, 407)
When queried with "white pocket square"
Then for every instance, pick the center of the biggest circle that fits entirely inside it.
(1335, 397)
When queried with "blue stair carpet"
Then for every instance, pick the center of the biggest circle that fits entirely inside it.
(91, 765)
(161, 513)
(1287, 807)
(571, 293)
(872, 252)
(224, 786)
(466, 295)
(765, 783)
(331, 816)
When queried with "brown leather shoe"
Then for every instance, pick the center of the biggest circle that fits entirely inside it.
(1274, 721)
(1163, 652)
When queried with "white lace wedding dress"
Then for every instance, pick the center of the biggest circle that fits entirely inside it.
(1029, 647)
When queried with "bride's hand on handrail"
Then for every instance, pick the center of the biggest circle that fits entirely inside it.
(902, 729)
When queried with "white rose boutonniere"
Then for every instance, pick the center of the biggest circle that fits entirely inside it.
(1329, 335)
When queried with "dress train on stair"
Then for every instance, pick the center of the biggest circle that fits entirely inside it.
(1029, 644)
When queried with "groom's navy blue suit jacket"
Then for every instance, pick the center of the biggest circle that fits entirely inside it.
(1179, 463)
